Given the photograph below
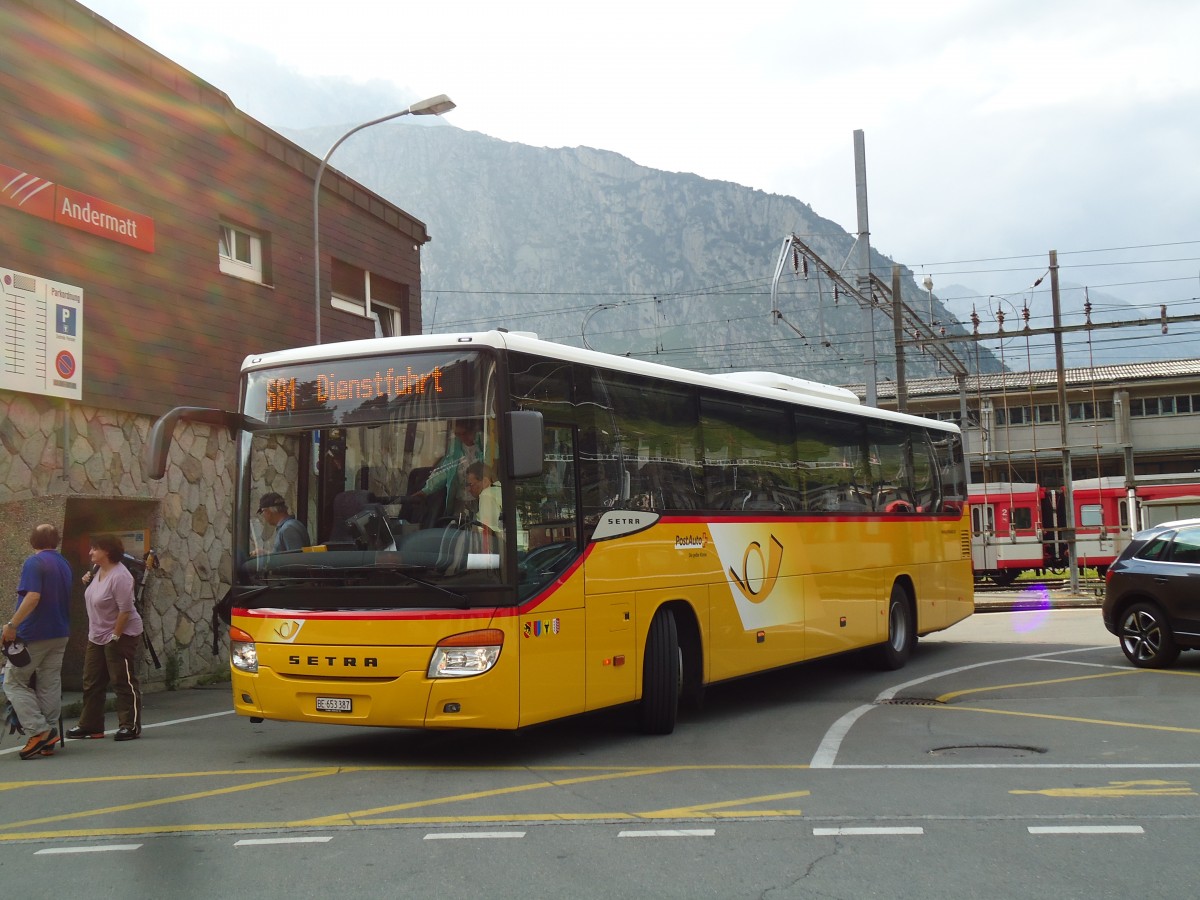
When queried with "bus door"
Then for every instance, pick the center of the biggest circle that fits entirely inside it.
(551, 623)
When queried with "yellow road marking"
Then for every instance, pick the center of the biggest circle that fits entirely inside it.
(1151, 788)
(706, 809)
(351, 818)
(163, 801)
(373, 816)
(946, 698)
(1082, 721)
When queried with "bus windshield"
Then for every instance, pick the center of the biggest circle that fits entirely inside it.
(376, 472)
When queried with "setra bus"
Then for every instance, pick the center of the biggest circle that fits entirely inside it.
(504, 531)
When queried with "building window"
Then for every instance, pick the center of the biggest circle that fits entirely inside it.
(364, 293)
(1046, 413)
(240, 253)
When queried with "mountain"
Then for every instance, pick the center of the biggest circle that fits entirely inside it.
(587, 247)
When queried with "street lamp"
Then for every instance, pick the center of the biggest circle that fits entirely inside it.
(928, 284)
(434, 106)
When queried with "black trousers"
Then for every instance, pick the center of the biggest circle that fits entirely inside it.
(111, 665)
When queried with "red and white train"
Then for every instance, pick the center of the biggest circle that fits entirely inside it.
(1018, 528)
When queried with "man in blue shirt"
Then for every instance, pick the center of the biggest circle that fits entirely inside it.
(42, 621)
(290, 533)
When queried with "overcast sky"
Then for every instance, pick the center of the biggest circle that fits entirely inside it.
(993, 129)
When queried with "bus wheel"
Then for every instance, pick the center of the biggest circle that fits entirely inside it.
(660, 676)
(902, 632)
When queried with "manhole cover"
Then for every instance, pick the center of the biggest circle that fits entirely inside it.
(988, 751)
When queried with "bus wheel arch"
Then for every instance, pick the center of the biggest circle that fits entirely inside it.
(901, 638)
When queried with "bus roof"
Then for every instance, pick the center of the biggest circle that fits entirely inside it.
(759, 384)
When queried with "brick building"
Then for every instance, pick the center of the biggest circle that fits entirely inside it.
(154, 236)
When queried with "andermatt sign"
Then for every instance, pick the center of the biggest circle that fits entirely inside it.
(47, 200)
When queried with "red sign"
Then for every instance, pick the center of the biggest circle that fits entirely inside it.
(47, 200)
(27, 193)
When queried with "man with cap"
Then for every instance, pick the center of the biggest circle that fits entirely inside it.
(290, 533)
(42, 621)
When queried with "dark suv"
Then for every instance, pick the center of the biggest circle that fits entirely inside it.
(1152, 597)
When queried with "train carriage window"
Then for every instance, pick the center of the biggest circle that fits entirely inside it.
(983, 519)
(1091, 515)
(1021, 517)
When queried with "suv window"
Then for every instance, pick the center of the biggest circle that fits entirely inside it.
(1186, 548)
(1156, 548)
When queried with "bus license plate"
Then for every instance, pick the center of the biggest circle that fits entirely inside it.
(334, 704)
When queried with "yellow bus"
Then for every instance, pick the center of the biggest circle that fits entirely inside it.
(500, 531)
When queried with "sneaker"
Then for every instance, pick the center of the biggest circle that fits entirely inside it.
(78, 734)
(39, 742)
(127, 733)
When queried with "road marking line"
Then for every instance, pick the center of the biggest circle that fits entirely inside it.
(352, 818)
(227, 712)
(831, 743)
(48, 851)
(1086, 829)
(709, 809)
(1083, 721)
(308, 839)
(867, 830)
(473, 835)
(163, 801)
(670, 832)
(946, 698)
(1151, 788)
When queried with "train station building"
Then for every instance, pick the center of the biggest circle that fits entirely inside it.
(155, 236)
(1120, 420)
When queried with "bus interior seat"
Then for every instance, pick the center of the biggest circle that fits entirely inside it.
(417, 478)
(346, 505)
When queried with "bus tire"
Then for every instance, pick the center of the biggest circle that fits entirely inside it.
(660, 676)
(902, 632)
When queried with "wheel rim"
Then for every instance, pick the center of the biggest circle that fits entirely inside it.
(1141, 635)
(898, 627)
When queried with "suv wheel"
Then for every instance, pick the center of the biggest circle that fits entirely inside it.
(1146, 638)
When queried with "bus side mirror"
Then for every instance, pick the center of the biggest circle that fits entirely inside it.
(158, 444)
(525, 452)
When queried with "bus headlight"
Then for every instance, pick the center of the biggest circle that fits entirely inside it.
(243, 652)
(463, 655)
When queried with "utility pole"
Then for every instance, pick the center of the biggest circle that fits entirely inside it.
(898, 331)
(864, 264)
(1068, 477)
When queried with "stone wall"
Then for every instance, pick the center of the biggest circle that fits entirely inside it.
(100, 471)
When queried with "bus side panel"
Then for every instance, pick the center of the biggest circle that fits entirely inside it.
(552, 642)
(612, 664)
(734, 650)
(756, 600)
(842, 610)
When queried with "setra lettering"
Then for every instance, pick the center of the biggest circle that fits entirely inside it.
(346, 662)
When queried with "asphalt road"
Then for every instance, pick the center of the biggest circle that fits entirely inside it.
(1016, 756)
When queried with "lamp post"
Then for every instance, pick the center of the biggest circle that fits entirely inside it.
(434, 106)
